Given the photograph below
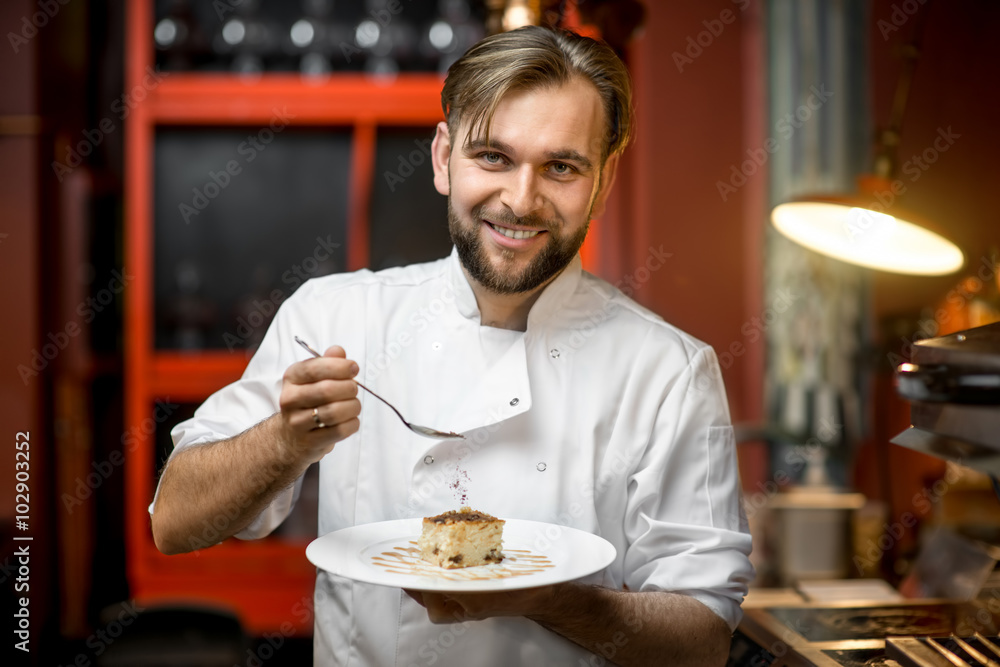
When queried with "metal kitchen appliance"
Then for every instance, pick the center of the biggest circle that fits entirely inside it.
(953, 386)
(854, 634)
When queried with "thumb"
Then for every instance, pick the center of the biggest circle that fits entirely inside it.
(335, 351)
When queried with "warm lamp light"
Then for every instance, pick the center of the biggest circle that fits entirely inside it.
(852, 230)
(865, 228)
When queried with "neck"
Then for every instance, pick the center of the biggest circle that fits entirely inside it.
(505, 311)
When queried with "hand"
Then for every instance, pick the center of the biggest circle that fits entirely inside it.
(319, 389)
(445, 608)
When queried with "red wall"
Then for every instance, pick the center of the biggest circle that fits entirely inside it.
(20, 407)
(955, 86)
(699, 108)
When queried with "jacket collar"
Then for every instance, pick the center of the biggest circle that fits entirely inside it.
(555, 295)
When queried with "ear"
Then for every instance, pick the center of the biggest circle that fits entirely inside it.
(440, 155)
(607, 180)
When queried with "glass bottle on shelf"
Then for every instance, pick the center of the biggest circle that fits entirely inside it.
(450, 34)
(189, 314)
(178, 38)
(246, 38)
(307, 39)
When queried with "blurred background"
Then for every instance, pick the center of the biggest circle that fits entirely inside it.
(171, 171)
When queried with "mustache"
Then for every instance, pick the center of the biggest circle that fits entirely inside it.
(504, 216)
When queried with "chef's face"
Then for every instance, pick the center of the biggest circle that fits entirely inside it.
(519, 208)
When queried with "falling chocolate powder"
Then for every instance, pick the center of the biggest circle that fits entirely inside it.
(460, 485)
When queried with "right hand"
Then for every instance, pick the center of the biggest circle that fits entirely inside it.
(323, 384)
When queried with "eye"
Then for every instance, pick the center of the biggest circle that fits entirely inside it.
(561, 169)
(492, 158)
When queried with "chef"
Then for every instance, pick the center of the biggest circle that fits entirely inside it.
(579, 408)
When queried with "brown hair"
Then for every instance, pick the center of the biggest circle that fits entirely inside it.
(534, 57)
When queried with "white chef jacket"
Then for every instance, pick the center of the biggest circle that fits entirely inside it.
(600, 416)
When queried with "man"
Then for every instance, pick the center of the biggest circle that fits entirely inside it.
(579, 407)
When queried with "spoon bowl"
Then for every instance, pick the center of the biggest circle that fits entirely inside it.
(425, 431)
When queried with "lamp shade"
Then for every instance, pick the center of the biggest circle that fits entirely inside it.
(857, 229)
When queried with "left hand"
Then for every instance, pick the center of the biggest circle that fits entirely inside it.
(443, 608)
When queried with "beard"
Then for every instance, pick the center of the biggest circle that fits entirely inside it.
(502, 277)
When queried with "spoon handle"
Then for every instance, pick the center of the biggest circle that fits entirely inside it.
(317, 354)
(391, 406)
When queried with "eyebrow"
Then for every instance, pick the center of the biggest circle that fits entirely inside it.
(568, 155)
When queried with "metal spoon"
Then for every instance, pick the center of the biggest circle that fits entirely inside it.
(416, 428)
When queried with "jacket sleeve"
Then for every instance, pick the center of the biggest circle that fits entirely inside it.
(250, 400)
(685, 525)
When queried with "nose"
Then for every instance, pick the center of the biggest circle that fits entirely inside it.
(522, 195)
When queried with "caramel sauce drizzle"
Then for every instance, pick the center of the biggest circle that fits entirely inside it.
(516, 563)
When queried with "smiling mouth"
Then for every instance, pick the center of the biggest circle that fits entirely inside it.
(515, 233)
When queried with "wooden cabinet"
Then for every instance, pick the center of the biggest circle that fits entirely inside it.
(169, 367)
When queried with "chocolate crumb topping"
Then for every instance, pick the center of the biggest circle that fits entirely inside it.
(464, 514)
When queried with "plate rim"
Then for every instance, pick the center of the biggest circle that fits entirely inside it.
(601, 549)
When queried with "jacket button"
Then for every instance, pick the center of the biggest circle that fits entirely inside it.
(428, 459)
(514, 402)
(554, 353)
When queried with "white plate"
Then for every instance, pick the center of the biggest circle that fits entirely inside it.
(535, 554)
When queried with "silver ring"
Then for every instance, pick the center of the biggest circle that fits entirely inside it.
(319, 422)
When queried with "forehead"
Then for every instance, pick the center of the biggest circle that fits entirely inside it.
(564, 117)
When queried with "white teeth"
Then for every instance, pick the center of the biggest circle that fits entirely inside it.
(515, 233)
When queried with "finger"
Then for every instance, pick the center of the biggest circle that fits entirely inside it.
(317, 419)
(330, 435)
(304, 422)
(443, 610)
(417, 596)
(331, 414)
(335, 351)
(309, 396)
(322, 368)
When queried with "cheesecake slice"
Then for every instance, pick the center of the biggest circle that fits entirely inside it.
(463, 538)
